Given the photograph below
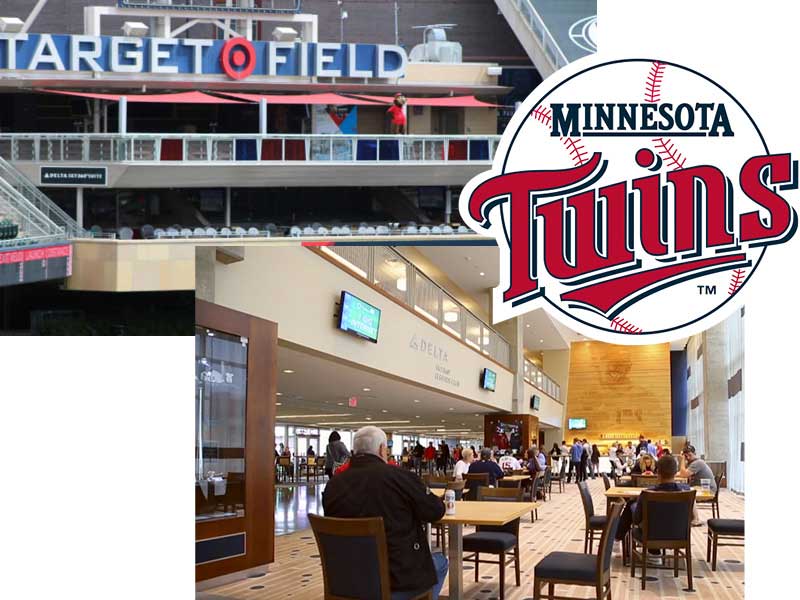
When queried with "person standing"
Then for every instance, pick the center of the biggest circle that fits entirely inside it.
(642, 447)
(575, 454)
(398, 114)
(594, 461)
(587, 452)
(430, 457)
(336, 453)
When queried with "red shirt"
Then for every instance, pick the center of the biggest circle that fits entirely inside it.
(398, 117)
(430, 453)
(346, 466)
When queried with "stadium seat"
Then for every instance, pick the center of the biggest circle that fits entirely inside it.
(382, 230)
(308, 231)
(463, 229)
(425, 230)
(411, 230)
(225, 232)
(125, 233)
(148, 232)
(186, 232)
(199, 232)
(447, 230)
(436, 230)
(239, 231)
(322, 231)
(159, 233)
(253, 232)
(211, 232)
(295, 231)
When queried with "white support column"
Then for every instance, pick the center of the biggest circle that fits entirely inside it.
(227, 207)
(262, 116)
(96, 116)
(105, 117)
(122, 127)
(448, 205)
(79, 206)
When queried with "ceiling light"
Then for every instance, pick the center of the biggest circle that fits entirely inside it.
(541, 341)
(451, 408)
(278, 404)
(340, 403)
(367, 389)
(481, 273)
(314, 416)
(450, 316)
(417, 401)
(402, 284)
(416, 416)
(363, 422)
(369, 418)
(135, 29)
(288, 371)
(279, 393)
(443, 420)
(11, 24)
(384, 410)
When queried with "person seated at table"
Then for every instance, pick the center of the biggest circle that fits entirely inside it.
(509, 462)
(310, 452)
(371, 488)
(646, 465)
(487, 465)
(629, 450)
(462, 466)
(619, 466)
(695, 470)
(541, 458)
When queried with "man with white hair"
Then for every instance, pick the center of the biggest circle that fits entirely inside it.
(372, 488)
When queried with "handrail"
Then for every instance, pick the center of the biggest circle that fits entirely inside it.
(244, 148)
(540, 380)
(384, 267)
(536, 24)
(31, 220)
(209, 5)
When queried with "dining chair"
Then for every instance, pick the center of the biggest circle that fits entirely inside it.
(666, 525)
(355, 558)
(593, 522)
(474, 481)
(606, 482)
(713, 504)
(560, 478)
(722, 529)
(576, 569)
(498, 540)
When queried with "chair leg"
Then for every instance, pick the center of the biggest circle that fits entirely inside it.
(714, 553)
(689, 566)
(644, 566)
(551, 590)
(675, 558)
(477, 563)
(516, 564)
(586, 541)
(502, 594)
(537, 589)
(632, 557)
(708, 547)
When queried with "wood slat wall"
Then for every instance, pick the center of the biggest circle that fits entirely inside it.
(620, 389)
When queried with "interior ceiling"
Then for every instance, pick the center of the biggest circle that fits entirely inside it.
(322, 386)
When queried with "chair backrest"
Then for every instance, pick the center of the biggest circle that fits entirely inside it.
(488, 494)
(354, 556)
(285, 461)
(547, 475)
(563, 471)
(718, 480)
(606, 482)
(428, 479)
(502, 483)
(475, 481)
(667, 516)
(586, 498)
(607, 539)
(457, 487)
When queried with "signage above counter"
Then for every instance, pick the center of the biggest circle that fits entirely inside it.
(236, 58)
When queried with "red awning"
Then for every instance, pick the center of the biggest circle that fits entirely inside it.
(177, 98)
(324, 98)
(449, 101)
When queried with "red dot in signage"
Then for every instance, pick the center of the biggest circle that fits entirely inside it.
(645, 157)
(238, 58)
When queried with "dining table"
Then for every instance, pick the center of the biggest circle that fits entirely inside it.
(475, 513)
(632, 493)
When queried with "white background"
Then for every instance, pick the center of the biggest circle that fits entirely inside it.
(96, 434)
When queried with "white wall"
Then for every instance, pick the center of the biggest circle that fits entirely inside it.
(299, 290)
(550, 412)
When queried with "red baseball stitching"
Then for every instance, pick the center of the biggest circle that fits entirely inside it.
(665, 147)
(652, 89)
(737, 279)
(574, 147)
(620, 324)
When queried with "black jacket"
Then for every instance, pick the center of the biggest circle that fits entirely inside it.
(371, 488)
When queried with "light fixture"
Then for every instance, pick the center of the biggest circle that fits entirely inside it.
(527, 324)
(443, 421)
(135, 29)
(450, 316)
(541, 341)
(288, 371)
(451, 408)
(416, 416)
(314, 416)
(416, 401)
(363, 422)
(402, 284)
(284, 34)
(369, 418)
(11, 25)
(279, 393)
(367, 389)
(278, 404)
(481, 273)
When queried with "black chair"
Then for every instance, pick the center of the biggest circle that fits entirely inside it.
(572, 568)
(666, 525)
(355, 558)
(713, 504)
(496, 540)
(722, 529)
(593, 522)
(606, 482)
(474, 481)
(547, 483)
(439, 528)
(560, 478)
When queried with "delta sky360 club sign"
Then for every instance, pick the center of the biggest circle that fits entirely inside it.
(633, 200)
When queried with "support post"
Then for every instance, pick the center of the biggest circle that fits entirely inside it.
(262, 116)
(448, 205)
(122, 127)
(96, 116)
(79, 206)
(227, 207)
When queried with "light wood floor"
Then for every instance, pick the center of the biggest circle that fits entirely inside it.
(297, 573)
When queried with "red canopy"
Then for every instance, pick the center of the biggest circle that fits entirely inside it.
(449, 101)
(178, 98)
(324, 98)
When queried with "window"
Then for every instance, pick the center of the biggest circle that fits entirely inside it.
(220, 404)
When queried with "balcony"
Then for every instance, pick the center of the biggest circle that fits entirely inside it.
(538, 379)
(248, 6)
(241, 160)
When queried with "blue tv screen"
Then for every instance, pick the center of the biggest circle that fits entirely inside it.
(488, 380)
(359, 318)
(577, 423)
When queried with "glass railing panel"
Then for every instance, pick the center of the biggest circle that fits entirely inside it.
(427, 297)
(391, 273)
(452, 316)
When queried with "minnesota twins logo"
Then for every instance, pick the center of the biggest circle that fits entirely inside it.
(633, 200)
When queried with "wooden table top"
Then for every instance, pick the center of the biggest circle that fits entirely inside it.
(516, 477)
(488, 513)
(655, 477)
(635, 492)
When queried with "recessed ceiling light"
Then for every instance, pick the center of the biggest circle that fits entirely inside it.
(279, 393)
(278, 404)
(541, 341)
(451, 408)
(366, 389)
(481, 273)
(340, 403)
(417, 401)
(369, 418)
(416, 416)
(527, 324)
(288, 371)
(384, 410)
(443, 420)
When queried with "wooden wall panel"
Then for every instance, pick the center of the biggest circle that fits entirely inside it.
(621, 391)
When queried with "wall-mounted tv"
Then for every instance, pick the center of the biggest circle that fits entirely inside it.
(488, 380)
(535, 402)
(359, 318)
(577, 423)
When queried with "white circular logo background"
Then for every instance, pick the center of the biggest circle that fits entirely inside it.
(666, 311)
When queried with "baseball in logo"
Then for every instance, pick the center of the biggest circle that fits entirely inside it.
(238, 58)
(633, 200)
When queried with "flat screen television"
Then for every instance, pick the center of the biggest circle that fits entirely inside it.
(577, 423)
(488, 380)
(535, 402)
(359, 318)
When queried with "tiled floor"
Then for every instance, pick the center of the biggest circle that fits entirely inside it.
(297, 574)
(292, 505)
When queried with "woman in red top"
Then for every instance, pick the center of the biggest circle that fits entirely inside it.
(397, 114)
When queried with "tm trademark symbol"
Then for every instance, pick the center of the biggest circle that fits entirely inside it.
(707, 290)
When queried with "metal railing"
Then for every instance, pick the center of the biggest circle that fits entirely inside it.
(552, 50)
(33, 195)
(34, 226)
(243, 148)
(386, 268)
(538, 379)
(250, 6)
